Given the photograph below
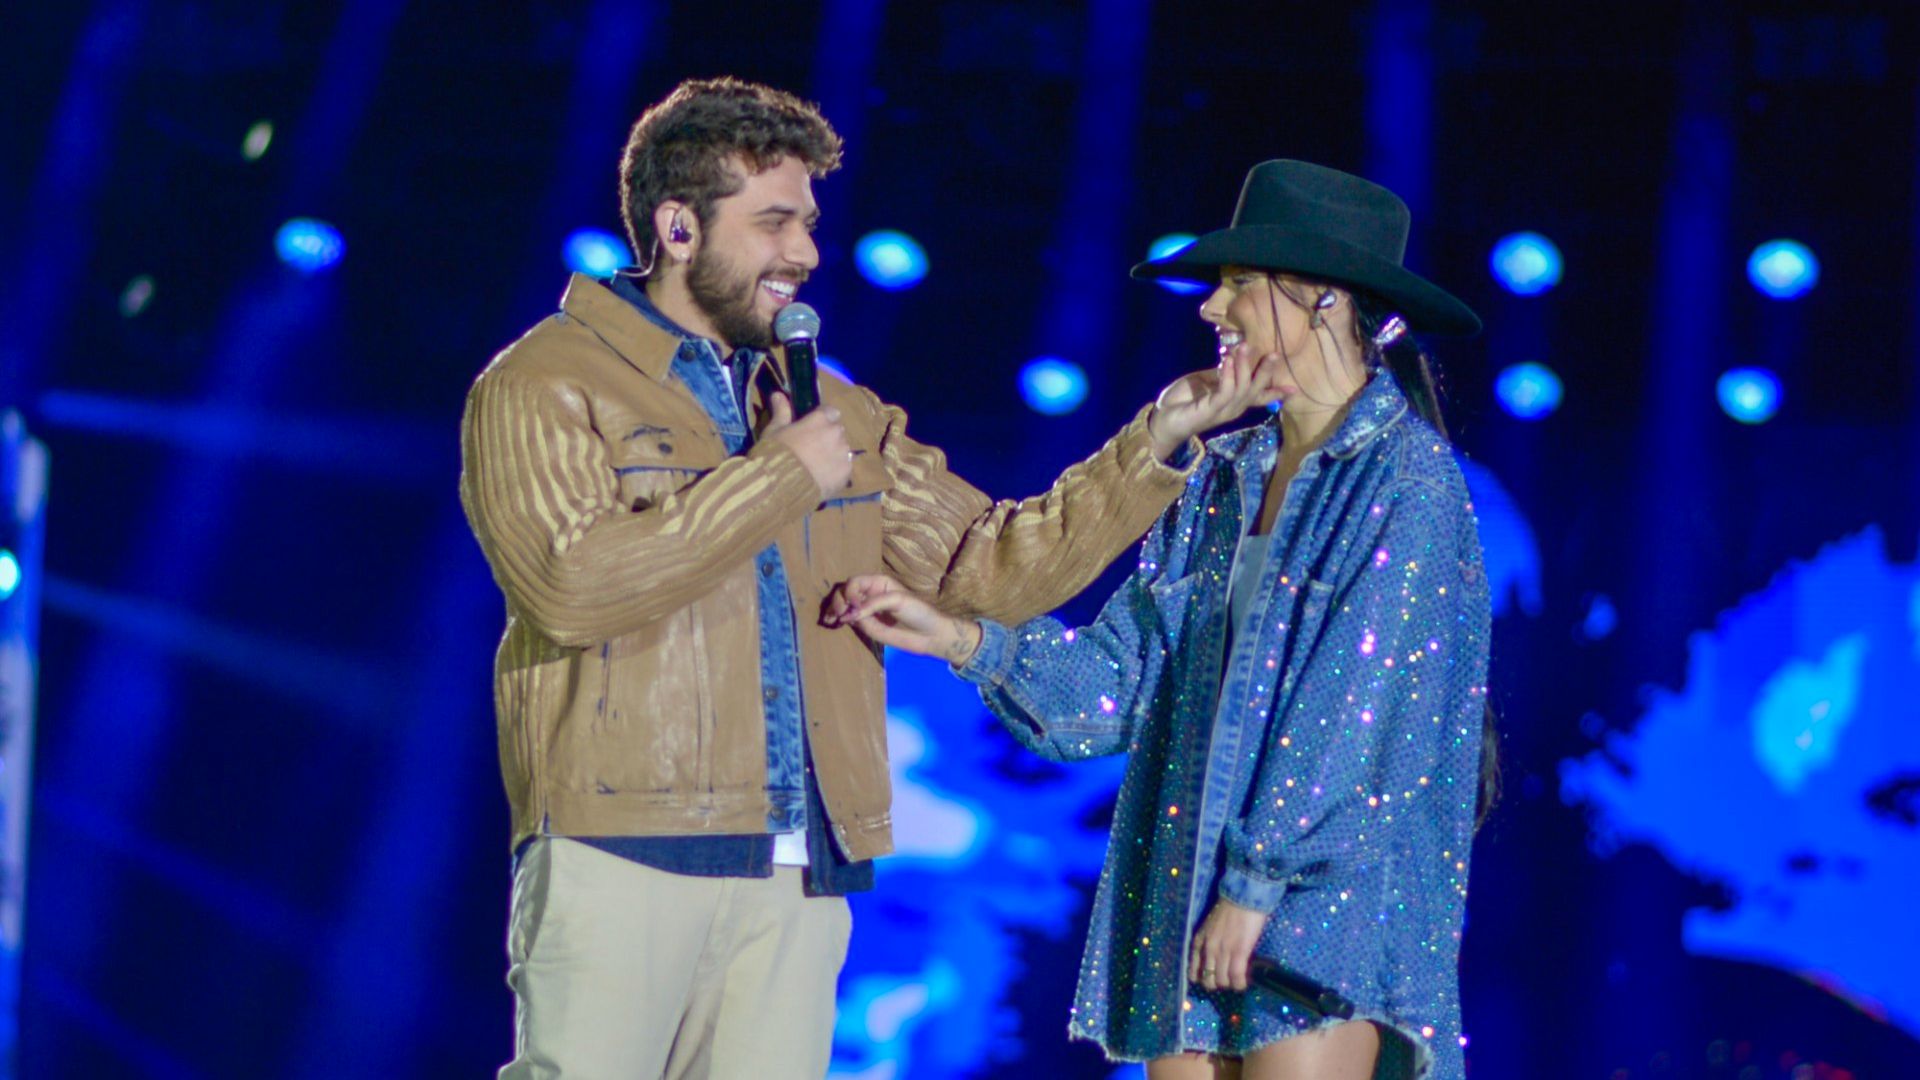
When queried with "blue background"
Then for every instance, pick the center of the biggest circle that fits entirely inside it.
(269, 838)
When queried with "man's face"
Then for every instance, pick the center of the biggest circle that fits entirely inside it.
(754, 253)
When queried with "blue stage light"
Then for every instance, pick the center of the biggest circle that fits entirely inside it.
(309, 245)
(1783, 269)
(1750, 395)
(828, 363)
(1602, 618)
(1526, 263)
(596, 253)
(891, 259)
(9, 573)
(1053, 387)
(1167, 245)
(1529, 391)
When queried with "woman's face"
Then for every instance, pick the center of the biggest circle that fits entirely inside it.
(1253, 315)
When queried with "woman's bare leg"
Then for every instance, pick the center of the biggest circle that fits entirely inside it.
(1340, 1052)
(1193, 1066)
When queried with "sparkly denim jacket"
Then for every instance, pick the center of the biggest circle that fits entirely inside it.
(1323, 769)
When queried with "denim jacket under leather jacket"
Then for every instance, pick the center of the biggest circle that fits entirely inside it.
(629, 686)
(1324, 770)
(720, 386)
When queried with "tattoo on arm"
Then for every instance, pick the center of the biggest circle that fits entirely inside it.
(957, 650)
(962, 647)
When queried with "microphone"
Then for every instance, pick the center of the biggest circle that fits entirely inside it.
(797, 326)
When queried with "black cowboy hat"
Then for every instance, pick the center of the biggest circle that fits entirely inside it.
(1321, 223)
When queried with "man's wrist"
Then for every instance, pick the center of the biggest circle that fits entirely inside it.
(1163, 448)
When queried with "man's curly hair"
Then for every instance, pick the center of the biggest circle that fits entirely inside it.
(683, 149)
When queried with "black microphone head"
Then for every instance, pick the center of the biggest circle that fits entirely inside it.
(796, 322)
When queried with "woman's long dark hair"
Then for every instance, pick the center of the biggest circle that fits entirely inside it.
(1412, 368)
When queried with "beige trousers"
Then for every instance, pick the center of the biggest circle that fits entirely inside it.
(624, 972)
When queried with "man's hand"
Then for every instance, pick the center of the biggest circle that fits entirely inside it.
(881, 610)
(1201, 400)
(1223, 946)
(818, 439)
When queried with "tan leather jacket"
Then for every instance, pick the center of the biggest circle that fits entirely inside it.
(628, 686)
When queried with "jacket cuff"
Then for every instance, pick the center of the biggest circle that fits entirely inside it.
(797, 493)
(993, 660)
(1251, 891)
(1136, 451)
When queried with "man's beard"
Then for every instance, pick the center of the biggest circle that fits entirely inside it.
(726, 299)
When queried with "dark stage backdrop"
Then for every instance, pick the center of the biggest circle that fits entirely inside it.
(268, 837)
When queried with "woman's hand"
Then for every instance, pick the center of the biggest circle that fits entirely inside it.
(1202, 400)
(883, 611)
(1223, 946)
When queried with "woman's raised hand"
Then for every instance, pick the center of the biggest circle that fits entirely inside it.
(883, 611)
(1201, 400)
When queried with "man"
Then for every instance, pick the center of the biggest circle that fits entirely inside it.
(695, 758)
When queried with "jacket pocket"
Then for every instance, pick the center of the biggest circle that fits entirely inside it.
(653, 462)
(843, 536)
(643, 725)
(1309, 623)
(1180, 614)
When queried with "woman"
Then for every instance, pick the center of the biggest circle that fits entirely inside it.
(1297, 668)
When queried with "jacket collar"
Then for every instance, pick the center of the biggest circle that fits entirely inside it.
(1380, 404)
(618, 323)
(1246, 442)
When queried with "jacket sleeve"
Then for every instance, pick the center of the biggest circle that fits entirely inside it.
(1383, 693)
(1069, 694)
(582, 568)
(1010, 561)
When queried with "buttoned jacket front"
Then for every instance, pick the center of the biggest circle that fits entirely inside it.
(628, 687)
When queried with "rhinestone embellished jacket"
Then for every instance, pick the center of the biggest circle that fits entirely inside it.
(1324, 769)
